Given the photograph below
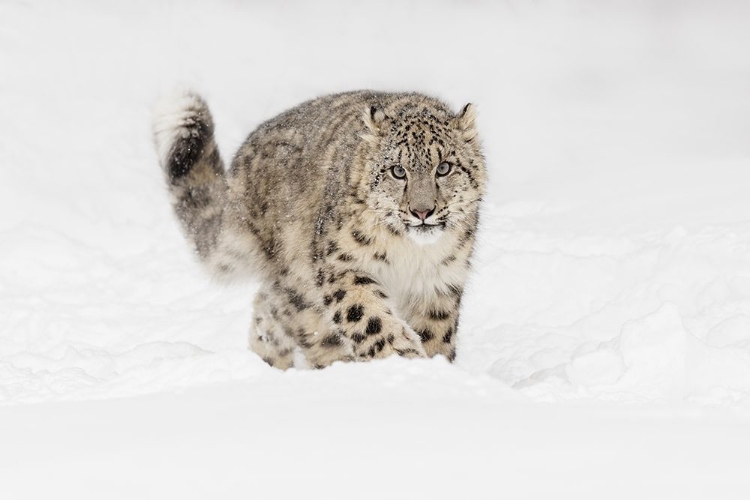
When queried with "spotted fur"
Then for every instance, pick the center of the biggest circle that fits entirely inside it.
(356, 261)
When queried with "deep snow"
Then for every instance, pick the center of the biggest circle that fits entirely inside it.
(604, 348)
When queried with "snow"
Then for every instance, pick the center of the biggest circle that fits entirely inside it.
(604, 348)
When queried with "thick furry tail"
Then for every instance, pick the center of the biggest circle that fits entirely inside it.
(188, 154)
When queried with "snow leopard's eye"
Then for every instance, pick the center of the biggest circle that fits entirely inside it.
(398, 172)
(443, 169)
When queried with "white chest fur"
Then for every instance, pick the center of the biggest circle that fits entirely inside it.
(415, 273)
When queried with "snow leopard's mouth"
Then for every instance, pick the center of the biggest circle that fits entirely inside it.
(426, 228)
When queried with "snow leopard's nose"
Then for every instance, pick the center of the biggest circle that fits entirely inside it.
(422, 214)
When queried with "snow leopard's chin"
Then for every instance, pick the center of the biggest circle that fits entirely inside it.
(424, 234)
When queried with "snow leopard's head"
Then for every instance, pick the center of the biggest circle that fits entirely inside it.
(426, 169)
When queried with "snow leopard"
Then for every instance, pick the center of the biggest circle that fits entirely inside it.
(356, 212)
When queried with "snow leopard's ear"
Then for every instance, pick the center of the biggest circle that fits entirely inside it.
(373, 117)
(466, 122)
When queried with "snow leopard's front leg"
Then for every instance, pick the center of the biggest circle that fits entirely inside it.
(436, 320)
(357, 307)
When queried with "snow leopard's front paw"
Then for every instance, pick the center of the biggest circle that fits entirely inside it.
(359, 311)
(386, 336)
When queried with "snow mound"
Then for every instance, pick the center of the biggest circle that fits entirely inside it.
(655, 316)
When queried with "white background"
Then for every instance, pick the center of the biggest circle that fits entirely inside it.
(604, 348)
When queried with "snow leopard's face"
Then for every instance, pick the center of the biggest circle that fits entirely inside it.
(428, 175)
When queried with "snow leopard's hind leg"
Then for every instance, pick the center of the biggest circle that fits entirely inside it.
(270, 338)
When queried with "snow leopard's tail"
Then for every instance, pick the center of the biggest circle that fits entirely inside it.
(189, 156)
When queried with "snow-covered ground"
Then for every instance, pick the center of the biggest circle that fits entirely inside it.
(604, 348)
